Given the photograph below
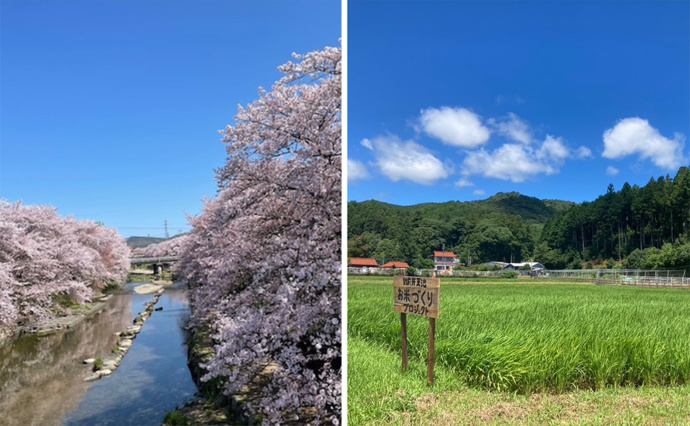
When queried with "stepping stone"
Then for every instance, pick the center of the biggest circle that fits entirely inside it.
(92, 377)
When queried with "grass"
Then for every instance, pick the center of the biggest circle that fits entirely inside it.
(175, 418)
(98, 364)
(139, 278)
(522, 353)
(380, 394)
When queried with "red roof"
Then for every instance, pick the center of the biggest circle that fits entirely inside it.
(401, 265)
(359, 261)
(443, 254)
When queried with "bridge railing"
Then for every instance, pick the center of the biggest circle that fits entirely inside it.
(150, 260)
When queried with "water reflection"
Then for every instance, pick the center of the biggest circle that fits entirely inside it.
(41, 379)
(152, 379)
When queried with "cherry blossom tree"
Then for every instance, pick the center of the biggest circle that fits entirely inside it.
(165, 248)
(263, 260)
(47, 260)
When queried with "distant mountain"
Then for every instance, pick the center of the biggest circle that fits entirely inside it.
(505, 226)
(559, 205)
(530, 209)
(141, 242)
(379, 217)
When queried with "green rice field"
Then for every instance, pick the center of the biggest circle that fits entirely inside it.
(517, 339)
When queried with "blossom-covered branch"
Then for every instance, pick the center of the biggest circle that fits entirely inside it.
(264, 257)
(46, 259)
(165, 248)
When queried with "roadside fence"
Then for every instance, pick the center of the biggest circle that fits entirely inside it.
(630, 277)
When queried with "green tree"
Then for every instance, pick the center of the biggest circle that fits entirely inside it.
(386, 251)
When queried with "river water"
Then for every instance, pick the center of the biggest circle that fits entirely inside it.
(41, 378)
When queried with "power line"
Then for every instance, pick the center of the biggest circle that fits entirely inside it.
(150, 227)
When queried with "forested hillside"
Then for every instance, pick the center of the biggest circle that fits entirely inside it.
(636, 227)
(141, 242)
(501, 227)
(645, 227)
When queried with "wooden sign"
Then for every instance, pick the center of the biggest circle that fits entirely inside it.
(417, 295)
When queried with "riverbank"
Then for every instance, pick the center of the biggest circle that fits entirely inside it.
(137, 275)
(77, 314)
(80, 313)
(211, 407)
(67, 317)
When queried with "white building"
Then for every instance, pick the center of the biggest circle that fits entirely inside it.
(445, 260)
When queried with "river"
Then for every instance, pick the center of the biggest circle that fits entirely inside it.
(42, 378)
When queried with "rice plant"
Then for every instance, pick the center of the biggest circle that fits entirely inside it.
(540, 338)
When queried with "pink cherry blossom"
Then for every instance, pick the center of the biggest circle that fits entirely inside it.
(46, 259)
(263, 259)
(166, 248)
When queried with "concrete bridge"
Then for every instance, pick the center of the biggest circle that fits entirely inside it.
(157, 262)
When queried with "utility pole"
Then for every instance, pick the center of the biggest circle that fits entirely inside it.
(165, 224)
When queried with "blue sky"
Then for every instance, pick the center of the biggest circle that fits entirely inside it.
(461, 100)
(110, 110)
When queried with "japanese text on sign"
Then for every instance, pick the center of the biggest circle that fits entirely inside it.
(417, 295)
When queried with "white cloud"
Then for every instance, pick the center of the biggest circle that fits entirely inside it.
(512, 128)
(518, 162)
(634, 135)
(454, 126)
(399, 160)
(583, 152)
(611, 171)
(463, 183)
(552, 151)
(479, 192)
(356, 170)
(367, 143)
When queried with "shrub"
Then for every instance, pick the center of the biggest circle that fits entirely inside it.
(508, 274)
(98, 364)
(175, 418)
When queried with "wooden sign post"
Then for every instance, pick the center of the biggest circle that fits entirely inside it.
(418, 296)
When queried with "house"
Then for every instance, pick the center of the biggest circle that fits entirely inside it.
(394, 265)
(534, 266)
(360, 264)
(503, 265)
(444, 260)
(514, 266)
